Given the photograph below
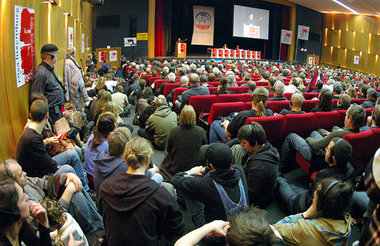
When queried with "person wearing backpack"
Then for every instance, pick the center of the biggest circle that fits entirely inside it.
(215, 192)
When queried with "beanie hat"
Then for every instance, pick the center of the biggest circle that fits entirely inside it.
(49, 48)
(219, 155)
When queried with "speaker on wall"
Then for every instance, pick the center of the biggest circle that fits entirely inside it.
(133, 27)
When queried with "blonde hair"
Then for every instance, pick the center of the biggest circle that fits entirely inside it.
(111, 107)
(117, 141)
(101, 83)
(71, 50)
(187, 117)
(136, 151)
(106, 97)
(352, 92)
(259, 99)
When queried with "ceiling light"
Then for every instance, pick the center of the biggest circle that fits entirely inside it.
(345, 6)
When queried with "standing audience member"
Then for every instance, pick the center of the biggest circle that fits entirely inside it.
(136, 210)
(74, 84)
(159, 124)
(183, 144)
(45, 80)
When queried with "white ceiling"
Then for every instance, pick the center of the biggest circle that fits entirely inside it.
(364, 7)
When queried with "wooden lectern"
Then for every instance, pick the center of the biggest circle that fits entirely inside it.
(180, 50)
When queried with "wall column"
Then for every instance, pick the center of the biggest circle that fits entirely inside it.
(151, 26)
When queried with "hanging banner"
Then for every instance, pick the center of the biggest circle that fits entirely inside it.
(102, 55)
(70, 35)
(129, 42)
(24, 44)
(286, 36)
(82, 43)
(203, 31)
(113, 55)
(88, 42)
(356, 60)
(303, 32)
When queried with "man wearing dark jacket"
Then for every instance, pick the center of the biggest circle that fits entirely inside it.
(199, 190)
(260, 164)
(45, 80)
(338, 153)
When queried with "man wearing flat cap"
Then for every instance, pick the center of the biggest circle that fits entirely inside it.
(205, 190)
(45, 81)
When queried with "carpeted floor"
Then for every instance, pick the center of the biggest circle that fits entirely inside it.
(275, 211)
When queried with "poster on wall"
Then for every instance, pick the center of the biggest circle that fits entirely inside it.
(303, 32)
(356, 60)
(88, 42)
(129, 42)
(203, 30)
(286, 36)
(24, 44)
(113, 55)
(70, 34)
(102, 55)
(82, 43)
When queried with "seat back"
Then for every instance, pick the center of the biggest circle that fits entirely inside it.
(341, 115)
(168, 87)
(177, 92)
(326, 120)
(368, 111)
(277, 106)
(310, 95)
(360, 143)
(288, 95)
(247, 97)
(202, 103)
(230, 98)
(212, 89)
(261, 83)
(159, 83)
(309, 105)
(302, 124)
(152, 79)
(224, 109)
(272, 125)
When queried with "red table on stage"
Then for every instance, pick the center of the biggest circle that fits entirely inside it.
(235, 54)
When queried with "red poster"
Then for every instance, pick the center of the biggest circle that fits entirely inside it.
(24, 44)
(214, 52)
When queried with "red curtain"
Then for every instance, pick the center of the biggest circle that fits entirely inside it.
(159, 29)
(285, 25)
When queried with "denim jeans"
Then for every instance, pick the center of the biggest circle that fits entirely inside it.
(217, 132)
(85, 213)
(289, 193)
(294, 143)
(70, 157)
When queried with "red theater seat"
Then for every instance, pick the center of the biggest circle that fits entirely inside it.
(261, 83)
(230, 98)
(361, 143)
(302, 124)
(309, 105)
(277, 106)
(224, 109)
(177, 92)
(212, 89)
(247, 98)
(326, 120)
(273, 127)
(288, 95)
(202, 103)
(310, 95)
(159, 83)
(168, 87)
(152, 79)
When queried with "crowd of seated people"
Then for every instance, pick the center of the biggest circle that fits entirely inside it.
(113, 191)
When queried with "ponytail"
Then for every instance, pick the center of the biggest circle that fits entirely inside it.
(261, 109)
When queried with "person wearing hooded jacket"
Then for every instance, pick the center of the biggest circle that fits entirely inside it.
(198, 189)
(260, 164)
(159, 124)
(135, 209)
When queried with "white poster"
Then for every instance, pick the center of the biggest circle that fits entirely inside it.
(303, 32)
(24, 44)
(286, 36)
(356, 60)
(70, 35)
(113, 55)
(129, 42)
(203, 31)
(82, 43)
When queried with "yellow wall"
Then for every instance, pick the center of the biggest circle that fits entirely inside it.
(50, 27)
(346, 36)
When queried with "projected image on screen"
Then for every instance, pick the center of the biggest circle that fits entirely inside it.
(250, 22)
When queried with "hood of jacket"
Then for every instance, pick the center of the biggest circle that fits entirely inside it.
(267, 153)
(106, 164)
(227, 178)
(163, 111)
(124, 192)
